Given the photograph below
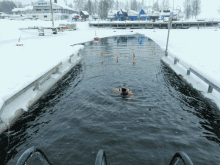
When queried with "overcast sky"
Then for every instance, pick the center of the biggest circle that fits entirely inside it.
(209, 7)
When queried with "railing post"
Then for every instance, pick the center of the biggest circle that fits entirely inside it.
(210, 89)
(36, 87)
(175, 61)
(188, 71)
(57, 70)
(70, 61)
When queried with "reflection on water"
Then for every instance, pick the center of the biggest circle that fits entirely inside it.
(81, 115)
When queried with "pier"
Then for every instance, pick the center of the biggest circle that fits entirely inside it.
(151, 25)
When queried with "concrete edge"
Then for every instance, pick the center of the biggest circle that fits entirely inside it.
(209, 101)
(4, 126)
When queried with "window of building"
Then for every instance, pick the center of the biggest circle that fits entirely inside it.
(38, 9)
(47, 10)
(45, 16)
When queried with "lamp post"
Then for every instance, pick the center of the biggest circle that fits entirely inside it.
(53, 28)
(51, 8)
(170, 26)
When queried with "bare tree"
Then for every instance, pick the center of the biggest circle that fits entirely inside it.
(156, 6)
(103, 8)
(117, 5)
(134, 5)
(95, 6)
(139, 6)
(127, 6)
(111, 4)
(79, 4)
(196, 7)
(88, 7)
(70, 5)
(187, 8)
(165, 5)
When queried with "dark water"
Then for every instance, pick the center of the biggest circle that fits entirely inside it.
(81, 115)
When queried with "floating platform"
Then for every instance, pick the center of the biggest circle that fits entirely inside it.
(151, 25)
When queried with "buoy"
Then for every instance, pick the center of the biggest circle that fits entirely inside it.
(117, 58)
(133, 63)
(102, 63)
(131, 31)
(96, 38)
(133, 56)
(19, 44)
(101, 54)
(154, 53)
(154, 31)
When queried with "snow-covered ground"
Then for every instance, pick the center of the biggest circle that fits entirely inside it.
(20, 66)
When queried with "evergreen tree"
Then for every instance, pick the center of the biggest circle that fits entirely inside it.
(7, 6)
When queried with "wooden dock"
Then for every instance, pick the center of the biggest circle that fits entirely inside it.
(151, 25)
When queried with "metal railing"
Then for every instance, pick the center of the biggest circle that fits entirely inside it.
(35, 84)
(100, 157)
(181, 156)
(29, 153)
(189, 70)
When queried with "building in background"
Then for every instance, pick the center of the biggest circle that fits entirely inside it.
(41, 10)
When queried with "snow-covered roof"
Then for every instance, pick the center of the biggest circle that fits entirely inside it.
(23, 9)
(63, 6)
(85, 12)
(74, 15)
(113, 11)
(123, 10)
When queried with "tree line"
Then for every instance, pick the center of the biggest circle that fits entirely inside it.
(192, 8)
(7, 6)
(103, 7)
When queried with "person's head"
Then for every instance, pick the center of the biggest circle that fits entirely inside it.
(124, 90)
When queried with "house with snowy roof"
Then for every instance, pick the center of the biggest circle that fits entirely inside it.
(42, 10)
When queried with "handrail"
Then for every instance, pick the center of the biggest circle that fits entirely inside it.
(35, 84)
(30, 152)
(9, 100)
(211, 85)
(183, 156)
(101, 158)
(206, 80)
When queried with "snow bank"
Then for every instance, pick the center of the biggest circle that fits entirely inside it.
(197, 49)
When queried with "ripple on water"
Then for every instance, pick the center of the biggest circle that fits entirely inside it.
(81, 115)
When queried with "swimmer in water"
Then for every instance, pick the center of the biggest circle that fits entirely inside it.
(124, 91)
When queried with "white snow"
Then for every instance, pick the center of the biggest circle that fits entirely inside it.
(20, 66)
(85, 12)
